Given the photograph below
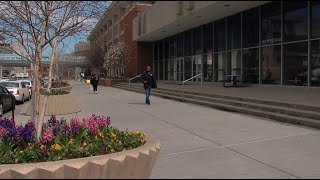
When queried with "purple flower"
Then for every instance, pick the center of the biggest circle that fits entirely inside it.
(103, 121)
(26, 133)
(3, 131)
(91, 124)
(75, 125)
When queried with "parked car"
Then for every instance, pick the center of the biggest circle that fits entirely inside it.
(28, 84)
(19, 90)
(4, 79)
(7, 100)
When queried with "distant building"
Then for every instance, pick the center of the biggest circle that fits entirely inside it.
(116, 25)
(81, 47)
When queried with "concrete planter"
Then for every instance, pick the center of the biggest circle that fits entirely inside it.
(131, 164)
(67, 89)
(58, 105)
(110, 82)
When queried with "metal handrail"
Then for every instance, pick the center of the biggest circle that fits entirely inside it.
(134, 78)
(189, 80)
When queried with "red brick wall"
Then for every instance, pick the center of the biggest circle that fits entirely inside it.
(132, 68)
(145, 55)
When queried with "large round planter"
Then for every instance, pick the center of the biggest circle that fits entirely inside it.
(131, 164)
(58, 105)
(67, 89)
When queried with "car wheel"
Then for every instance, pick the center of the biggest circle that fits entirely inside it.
(1, 109)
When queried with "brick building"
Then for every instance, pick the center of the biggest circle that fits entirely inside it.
(115, 25)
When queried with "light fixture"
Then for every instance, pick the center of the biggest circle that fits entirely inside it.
(163, 31)
(178, 25)
(227, 5)
(199, 16)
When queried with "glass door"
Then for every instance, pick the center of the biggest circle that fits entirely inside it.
(179, 69)
(196, 67)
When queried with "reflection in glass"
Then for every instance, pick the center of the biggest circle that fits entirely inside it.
(271, 65)
(220, 35)
(271, 23)
(173, 46)
(250, 65)
(196, 67)
(197, 41)
(207, 37)
(234, 31)
(155, 51)
(180, 44)
(171, 69)
(251, 27)
(295, 64)
(315, 19)
(155, 70)
(187, 43)
(160, 50)
(220, 65)
(160, 70)
(166, 70)
(315, 63)
(207, 67)
(187, 68)
(295, 20)
(234, 61)
(166, 48)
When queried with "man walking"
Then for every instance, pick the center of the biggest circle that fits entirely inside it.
(94, 82)
(148, 83)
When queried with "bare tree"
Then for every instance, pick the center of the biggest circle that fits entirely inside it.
(38, 25)
(117, 56)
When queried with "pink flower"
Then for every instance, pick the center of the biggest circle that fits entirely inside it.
(2, 131)
(47, 136)
(103, 121)
(91, 124)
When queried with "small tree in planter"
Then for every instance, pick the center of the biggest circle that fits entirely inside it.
(38, 25)
(117, 56)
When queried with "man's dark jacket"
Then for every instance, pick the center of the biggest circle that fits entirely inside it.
(150, 80)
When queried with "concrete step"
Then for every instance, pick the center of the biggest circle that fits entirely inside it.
(260, 101)
(240, 109)
(258, 106)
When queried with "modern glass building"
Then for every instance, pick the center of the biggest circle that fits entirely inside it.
(275, 43)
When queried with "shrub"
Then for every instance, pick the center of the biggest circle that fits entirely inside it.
(62, 140)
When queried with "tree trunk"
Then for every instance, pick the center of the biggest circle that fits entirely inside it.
(45, 98)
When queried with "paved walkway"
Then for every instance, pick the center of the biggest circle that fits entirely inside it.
(200, 142)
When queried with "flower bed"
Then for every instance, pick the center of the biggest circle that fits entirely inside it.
(58, 88)
(61, 140)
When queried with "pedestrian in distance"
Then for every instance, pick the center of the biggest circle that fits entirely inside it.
(149, 82)
(94, 82)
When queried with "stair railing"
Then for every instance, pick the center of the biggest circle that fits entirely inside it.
(134, 78)
(189, 80)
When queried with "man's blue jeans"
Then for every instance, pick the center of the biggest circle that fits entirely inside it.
(148, 91)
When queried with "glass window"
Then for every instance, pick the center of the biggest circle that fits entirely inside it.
(250, 27)
(234, 31)
(155, 70)
(155, 51)
(271, 23)
(161, 76)
(2, 91)
(171, 69)
(271, 65)
(187, 43)
(234, 62)
(197, 40)
(220, 35)
(250, 65)
(166, 48)
(187, 67)
(315, 19)
(219, 66)
(207, 67)
(160, 50)
(173, 46)
(295, 20)
(315, 63)
(180, 44)
(295, 64)
(166, 69)
(207, 37)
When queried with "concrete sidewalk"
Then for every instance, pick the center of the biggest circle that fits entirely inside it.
(200, 142)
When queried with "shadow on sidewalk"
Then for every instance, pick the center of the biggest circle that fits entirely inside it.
(138, 103)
